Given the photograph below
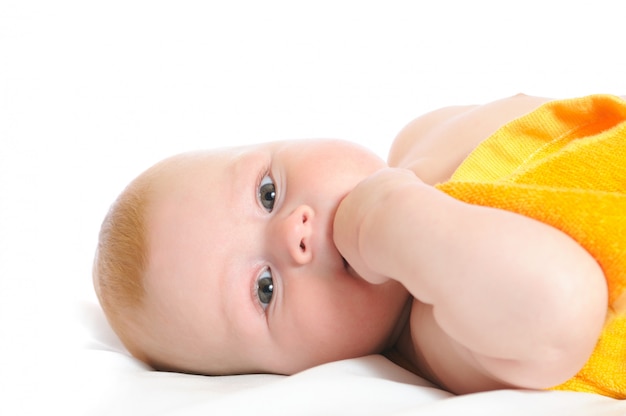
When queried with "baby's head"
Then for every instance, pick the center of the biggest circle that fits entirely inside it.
(223, 262)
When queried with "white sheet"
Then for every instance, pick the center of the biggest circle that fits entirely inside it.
(91, 93)
(365, 386)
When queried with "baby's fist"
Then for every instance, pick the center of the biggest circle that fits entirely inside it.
(360, 221)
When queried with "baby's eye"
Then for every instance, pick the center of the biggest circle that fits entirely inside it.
(267, 193)
(265, 288)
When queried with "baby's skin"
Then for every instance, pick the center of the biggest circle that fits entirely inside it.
(282, 256)
(500, 300)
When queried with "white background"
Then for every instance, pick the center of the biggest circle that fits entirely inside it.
(92, 93)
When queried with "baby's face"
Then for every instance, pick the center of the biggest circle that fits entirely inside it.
(243, 275)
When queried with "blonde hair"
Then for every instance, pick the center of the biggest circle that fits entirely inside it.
(120, 262)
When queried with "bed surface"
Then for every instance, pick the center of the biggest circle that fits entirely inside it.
(91, 94)
(365, 386)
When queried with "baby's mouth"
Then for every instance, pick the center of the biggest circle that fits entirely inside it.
(345, 263)
(349, 268)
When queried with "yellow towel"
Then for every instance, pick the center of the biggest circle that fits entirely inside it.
(565, 164)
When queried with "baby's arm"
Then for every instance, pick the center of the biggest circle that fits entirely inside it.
(523, 298)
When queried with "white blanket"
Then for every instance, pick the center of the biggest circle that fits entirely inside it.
(92, 93)
(365, 386)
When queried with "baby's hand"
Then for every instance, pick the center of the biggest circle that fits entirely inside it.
(361, 218)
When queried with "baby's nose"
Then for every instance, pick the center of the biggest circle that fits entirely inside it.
(297, 232)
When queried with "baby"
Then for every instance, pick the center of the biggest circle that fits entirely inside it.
(282, 256)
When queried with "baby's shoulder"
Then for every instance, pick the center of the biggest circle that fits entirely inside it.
(434, 144)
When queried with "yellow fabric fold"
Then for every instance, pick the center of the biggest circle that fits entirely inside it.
(565, 164)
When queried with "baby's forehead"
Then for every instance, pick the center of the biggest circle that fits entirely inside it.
(169, 173)
(226, 153)
(217, 157)
(220, 170)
